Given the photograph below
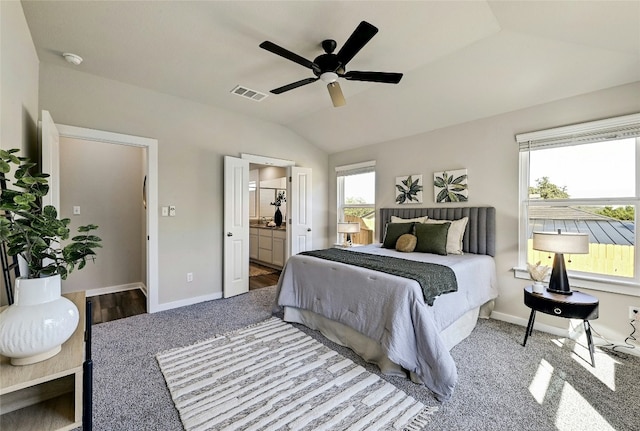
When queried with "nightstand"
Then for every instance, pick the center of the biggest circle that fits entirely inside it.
(578, 305)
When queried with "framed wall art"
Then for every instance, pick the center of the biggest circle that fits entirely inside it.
(409, 189)
(450, 186)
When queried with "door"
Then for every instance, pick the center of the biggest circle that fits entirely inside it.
(50, 147)
(236, 227)
(299, 223)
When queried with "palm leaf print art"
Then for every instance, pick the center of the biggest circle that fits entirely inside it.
(409, 190)
(451, 187)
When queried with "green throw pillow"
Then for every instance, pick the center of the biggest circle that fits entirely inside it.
(394, 231)
(432, 238)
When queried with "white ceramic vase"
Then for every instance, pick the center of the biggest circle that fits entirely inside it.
(34, 327)
(538, 287)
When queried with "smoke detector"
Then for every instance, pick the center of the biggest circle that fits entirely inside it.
(72, 58)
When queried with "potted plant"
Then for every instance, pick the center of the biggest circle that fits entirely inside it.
(46, 254)
(280, 197)
(537, 272)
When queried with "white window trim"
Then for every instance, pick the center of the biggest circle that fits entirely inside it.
(341, 173)
(596, 131)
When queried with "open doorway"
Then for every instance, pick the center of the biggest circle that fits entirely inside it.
(267, 224)
(103, 184)
(148, 170)
(294, 238)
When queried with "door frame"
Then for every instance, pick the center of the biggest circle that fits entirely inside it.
(281, 163)
(151, 146)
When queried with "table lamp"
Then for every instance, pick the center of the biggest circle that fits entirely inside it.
(348, 228)
(560, 243)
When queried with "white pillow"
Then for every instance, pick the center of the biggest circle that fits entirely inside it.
(395, 219)
(455, 234)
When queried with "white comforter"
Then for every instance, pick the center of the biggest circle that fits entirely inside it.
(391, 309)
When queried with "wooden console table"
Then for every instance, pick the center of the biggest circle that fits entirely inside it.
(46, 395)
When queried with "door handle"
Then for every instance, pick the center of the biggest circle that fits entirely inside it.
(308, 229)
(229, 234)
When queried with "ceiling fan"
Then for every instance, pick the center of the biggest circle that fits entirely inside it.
(328, 67)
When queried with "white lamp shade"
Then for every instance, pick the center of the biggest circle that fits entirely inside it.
(565, 242)
(348, 227)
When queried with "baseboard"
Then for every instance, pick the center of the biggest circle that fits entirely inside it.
(188, 301)
(115, 289)
(572, 333)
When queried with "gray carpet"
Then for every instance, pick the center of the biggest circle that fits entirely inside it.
(494, 392)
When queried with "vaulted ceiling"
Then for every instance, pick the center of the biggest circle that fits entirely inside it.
(462, 60)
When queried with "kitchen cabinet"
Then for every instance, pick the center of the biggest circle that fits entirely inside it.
(267, 245)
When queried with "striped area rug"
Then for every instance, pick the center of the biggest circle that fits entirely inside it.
(272, 376)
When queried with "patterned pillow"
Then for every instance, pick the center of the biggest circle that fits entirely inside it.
(406, 243)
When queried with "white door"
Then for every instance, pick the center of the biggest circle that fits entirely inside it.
(299, 207)
(236, 227)
(50, 145)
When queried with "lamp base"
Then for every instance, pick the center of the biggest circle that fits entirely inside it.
(561, 292)
(559, 282)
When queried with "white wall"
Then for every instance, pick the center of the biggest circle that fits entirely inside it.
(18, 87)
(105, 181)
(487, 148)
(192, 140)
(18, 82)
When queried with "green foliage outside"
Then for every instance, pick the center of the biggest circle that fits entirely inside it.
(618, 213)
(547, 190)
(357, 212)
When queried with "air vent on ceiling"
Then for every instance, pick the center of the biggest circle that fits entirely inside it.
(248, 93)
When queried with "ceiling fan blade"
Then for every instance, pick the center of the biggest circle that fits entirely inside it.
(293, 85)
(359, 38)
(278, 50)
(385, 77)
(336, 94)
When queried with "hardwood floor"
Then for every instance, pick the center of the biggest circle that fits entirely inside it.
(118, 305)
(263, 280)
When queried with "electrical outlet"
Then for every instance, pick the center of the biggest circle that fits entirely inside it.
(189, 277)
(634, 313)
(172, 210)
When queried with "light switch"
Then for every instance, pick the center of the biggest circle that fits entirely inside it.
(165, 211)
(172, 210)
(76, 210)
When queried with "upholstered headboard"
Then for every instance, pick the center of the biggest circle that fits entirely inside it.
(480, 235)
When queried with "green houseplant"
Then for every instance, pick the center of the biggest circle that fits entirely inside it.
(36, 234)
(34, 327)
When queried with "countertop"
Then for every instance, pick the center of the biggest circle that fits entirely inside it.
(261, 226)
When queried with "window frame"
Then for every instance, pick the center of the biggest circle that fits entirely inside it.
(345, 171)
(579, 134)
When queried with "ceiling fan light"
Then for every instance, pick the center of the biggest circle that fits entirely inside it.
(329, 77)
(336, 94)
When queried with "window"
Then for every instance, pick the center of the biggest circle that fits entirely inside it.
(357, 199)
(583, 178)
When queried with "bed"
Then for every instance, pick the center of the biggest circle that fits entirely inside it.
(385, 318)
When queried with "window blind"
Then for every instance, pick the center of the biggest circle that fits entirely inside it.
(609, 129)
(356, 168)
